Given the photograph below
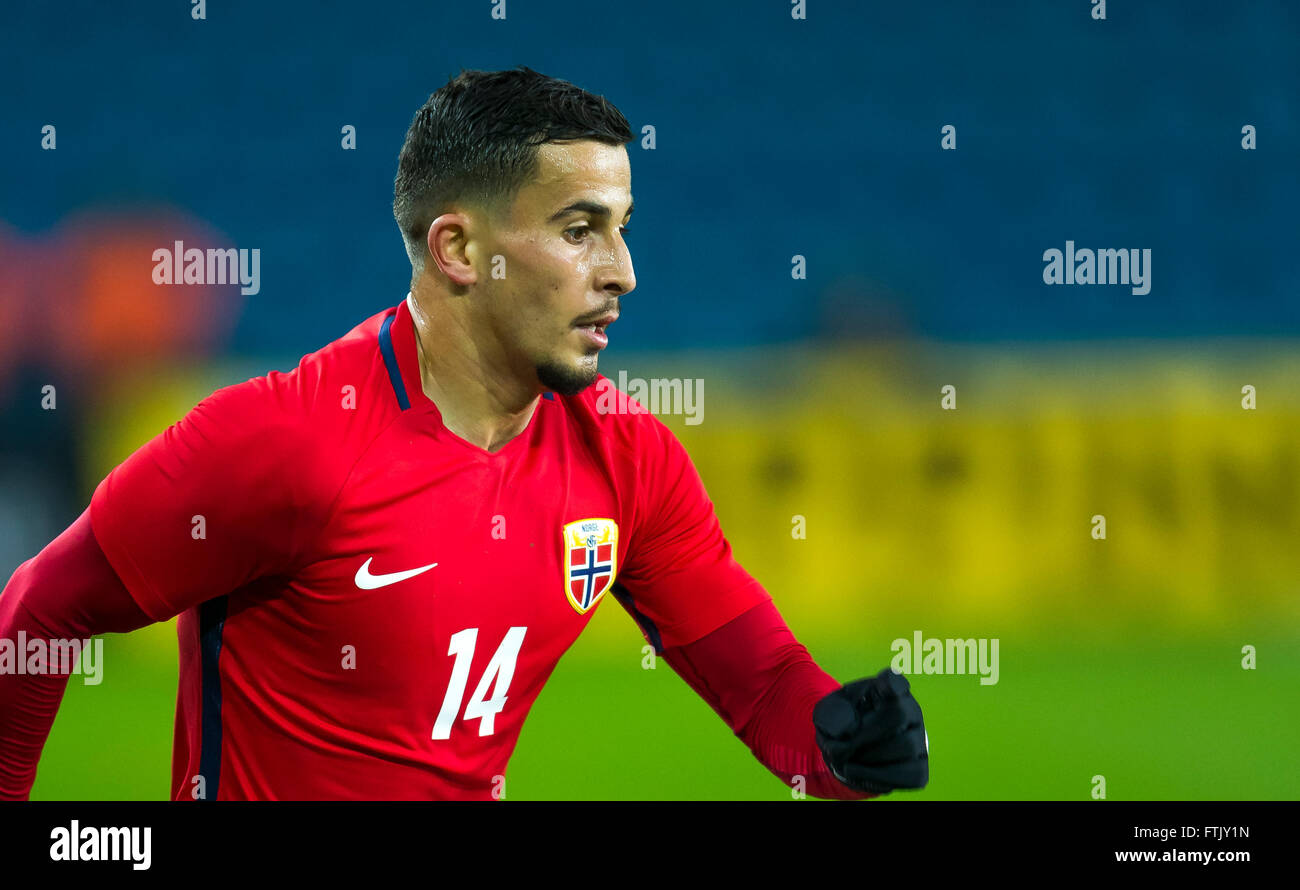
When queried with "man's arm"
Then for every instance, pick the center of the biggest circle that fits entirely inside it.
(238, 489)
(717, 628)
(763, 683)
(67, 591)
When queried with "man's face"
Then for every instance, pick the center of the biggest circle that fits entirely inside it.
(566, 262)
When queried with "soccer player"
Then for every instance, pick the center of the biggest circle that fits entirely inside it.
(379, 557)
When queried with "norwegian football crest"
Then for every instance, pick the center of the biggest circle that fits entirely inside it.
(590, 557)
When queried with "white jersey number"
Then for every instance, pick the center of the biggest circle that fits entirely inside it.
(500, 671)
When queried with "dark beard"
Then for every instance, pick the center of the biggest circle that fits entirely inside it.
(563, 379)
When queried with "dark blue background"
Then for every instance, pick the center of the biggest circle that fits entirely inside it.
(775, 137)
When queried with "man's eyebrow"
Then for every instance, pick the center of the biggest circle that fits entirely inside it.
(591, 207)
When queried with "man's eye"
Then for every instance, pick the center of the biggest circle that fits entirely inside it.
(581, 229)
(625, 230)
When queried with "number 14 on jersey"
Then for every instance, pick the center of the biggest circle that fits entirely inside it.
(500, 671)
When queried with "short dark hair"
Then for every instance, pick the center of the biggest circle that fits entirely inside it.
(476, 140)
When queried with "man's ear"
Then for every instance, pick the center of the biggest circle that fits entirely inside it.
(448, 240)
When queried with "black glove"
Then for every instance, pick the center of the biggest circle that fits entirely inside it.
(872, 736)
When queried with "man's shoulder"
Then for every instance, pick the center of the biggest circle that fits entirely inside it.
(350, 361)
(333, 394)
(611, 415)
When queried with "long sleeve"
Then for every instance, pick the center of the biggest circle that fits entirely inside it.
(764, 685)
(66, 592)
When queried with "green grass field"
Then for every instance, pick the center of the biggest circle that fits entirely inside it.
(1170, 720)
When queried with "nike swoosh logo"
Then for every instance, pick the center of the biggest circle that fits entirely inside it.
(367, 581)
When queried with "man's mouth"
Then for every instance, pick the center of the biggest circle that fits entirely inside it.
(595, 329)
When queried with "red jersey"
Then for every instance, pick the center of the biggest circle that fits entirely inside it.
(370, 604)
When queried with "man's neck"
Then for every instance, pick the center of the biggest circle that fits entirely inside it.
(480, 400)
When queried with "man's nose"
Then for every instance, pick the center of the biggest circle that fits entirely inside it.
(617, 274)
